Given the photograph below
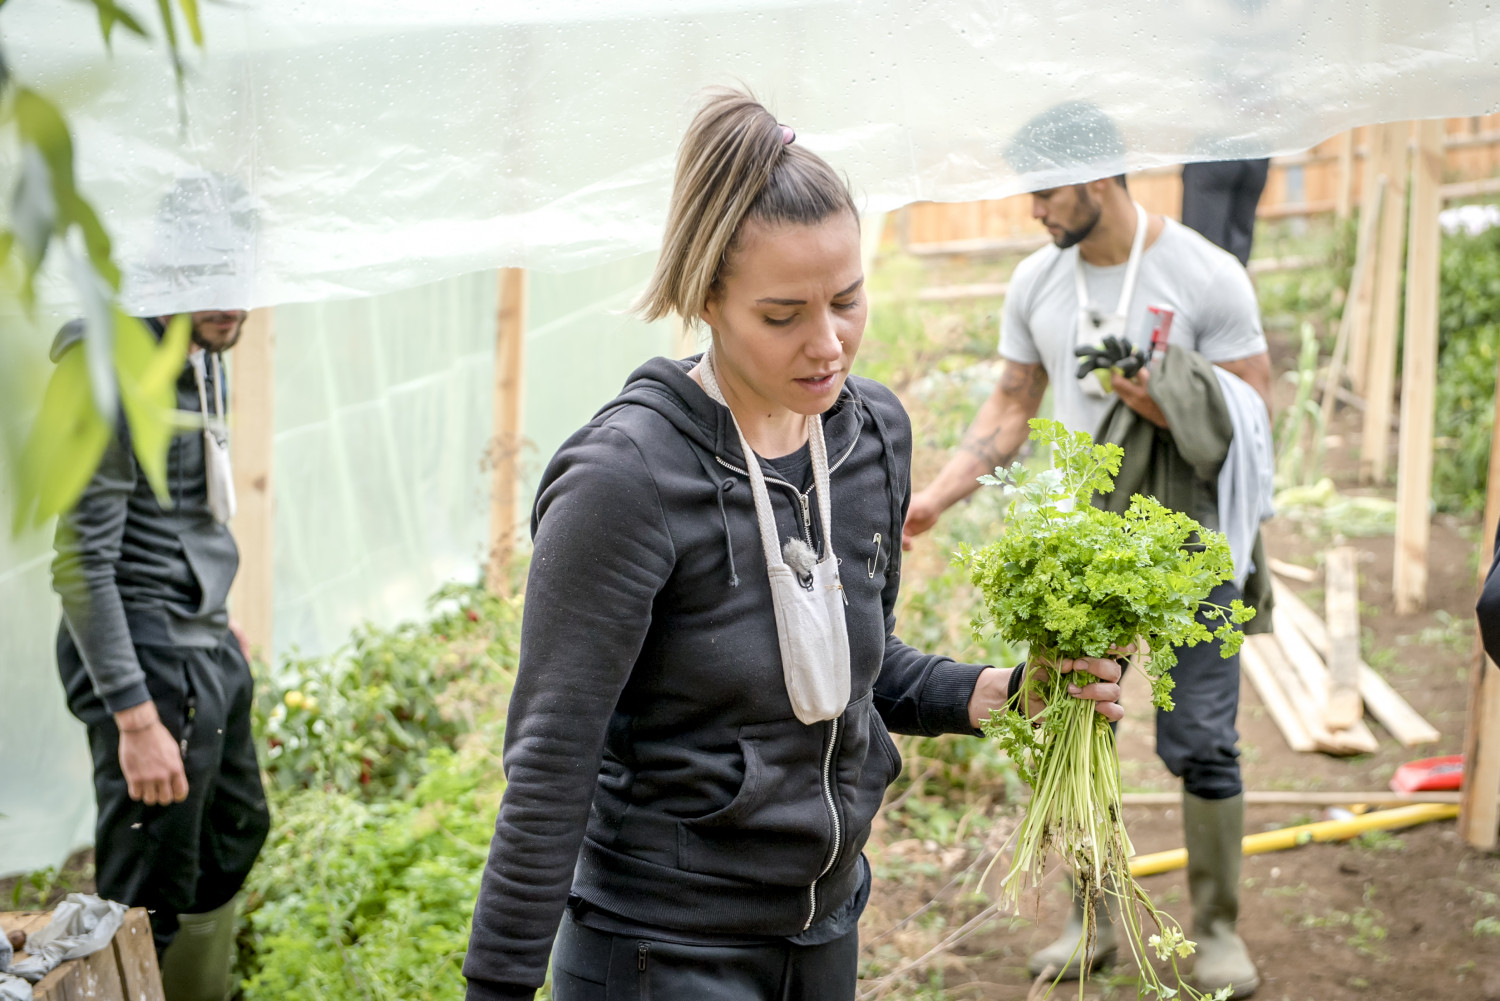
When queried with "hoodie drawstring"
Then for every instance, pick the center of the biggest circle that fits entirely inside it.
(724, 488)
(721, 487)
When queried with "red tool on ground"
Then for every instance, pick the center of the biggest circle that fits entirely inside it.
(1430, 774)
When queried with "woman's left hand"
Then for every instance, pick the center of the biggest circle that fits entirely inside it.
(990, 690)
(1104, 693)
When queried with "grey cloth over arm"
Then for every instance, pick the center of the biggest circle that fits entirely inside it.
(1179, 465)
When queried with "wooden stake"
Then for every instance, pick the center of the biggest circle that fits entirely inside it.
(1479, 812)
(1372, 177)
(1343, 196)
(1354, 323)
(505, 449)
(1345, 708)
(1374, 457)
(1418, 373)
(252, 416)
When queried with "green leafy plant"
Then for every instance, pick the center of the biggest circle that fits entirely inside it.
(385, 777)
(364, 720)
(119, 364)
(1073, 580)
(1469, 353)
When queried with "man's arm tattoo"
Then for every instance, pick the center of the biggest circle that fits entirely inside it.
(987, 449)
(1029, 381)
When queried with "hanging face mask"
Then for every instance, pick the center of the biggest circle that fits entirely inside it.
(219, 474)
(808, 601)
(1094, 325)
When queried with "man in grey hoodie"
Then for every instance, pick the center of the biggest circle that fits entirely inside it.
(150, 665)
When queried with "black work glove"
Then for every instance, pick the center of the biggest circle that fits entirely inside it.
(1113, 352)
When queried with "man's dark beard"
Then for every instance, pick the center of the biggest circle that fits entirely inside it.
(207, 345)
(1073, 237)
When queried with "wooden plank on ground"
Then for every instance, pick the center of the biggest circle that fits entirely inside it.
(1356, 740)
(1275, 700)
(1305, 661)
(1394, 712)
(1344, 705)
(1418, 374)
(1292, 571)
(1301, 616)
(1381, 700)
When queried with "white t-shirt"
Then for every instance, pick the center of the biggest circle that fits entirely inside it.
(1216, 313)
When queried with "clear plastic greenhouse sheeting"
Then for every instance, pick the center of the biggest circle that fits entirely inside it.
(383, 418)
(347, 147)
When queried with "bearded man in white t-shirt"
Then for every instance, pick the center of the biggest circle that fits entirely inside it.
(1071, 294)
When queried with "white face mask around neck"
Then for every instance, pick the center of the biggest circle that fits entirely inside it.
(809, 607)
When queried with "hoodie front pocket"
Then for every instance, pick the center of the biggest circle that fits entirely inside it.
(776, 829)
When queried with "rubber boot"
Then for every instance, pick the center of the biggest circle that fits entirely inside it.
(1065, 954)
(1212, 831)
(196, 965)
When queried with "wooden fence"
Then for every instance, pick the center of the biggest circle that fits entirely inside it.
(1330, 177)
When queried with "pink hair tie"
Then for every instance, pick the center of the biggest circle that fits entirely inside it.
(787, 135)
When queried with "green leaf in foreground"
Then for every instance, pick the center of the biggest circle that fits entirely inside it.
(1073, 580)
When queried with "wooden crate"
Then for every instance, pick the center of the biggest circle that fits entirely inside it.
(126, 971)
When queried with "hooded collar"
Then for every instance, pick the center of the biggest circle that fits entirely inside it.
(664, 386)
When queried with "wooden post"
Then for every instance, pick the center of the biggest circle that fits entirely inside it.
(1380, 392)
(1418, 372)
(252, 416)
(1372, 180)
(1345, 707)
(1354, 324)
(1343, 196)
(505, 449)
(1479, 806)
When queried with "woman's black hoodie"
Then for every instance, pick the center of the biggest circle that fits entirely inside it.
(654, 765)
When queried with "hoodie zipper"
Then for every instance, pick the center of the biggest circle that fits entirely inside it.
(803, 497)
(833, 815)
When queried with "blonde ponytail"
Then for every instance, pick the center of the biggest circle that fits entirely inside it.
(735, 164)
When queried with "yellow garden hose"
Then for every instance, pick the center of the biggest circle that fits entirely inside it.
(1291, 837)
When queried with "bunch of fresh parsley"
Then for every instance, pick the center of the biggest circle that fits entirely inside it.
(1073, 580)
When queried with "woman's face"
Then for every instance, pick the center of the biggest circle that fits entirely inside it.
(790, 315)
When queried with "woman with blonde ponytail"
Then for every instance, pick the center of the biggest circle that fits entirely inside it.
(699, 735)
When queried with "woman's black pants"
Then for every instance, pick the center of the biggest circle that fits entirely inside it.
(590, 965)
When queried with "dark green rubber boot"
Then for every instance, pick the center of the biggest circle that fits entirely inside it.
(196, 965)
(1212, 830)
(1067, 955)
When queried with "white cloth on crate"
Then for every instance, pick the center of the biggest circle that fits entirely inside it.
(81, 925)
(1246, 490)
